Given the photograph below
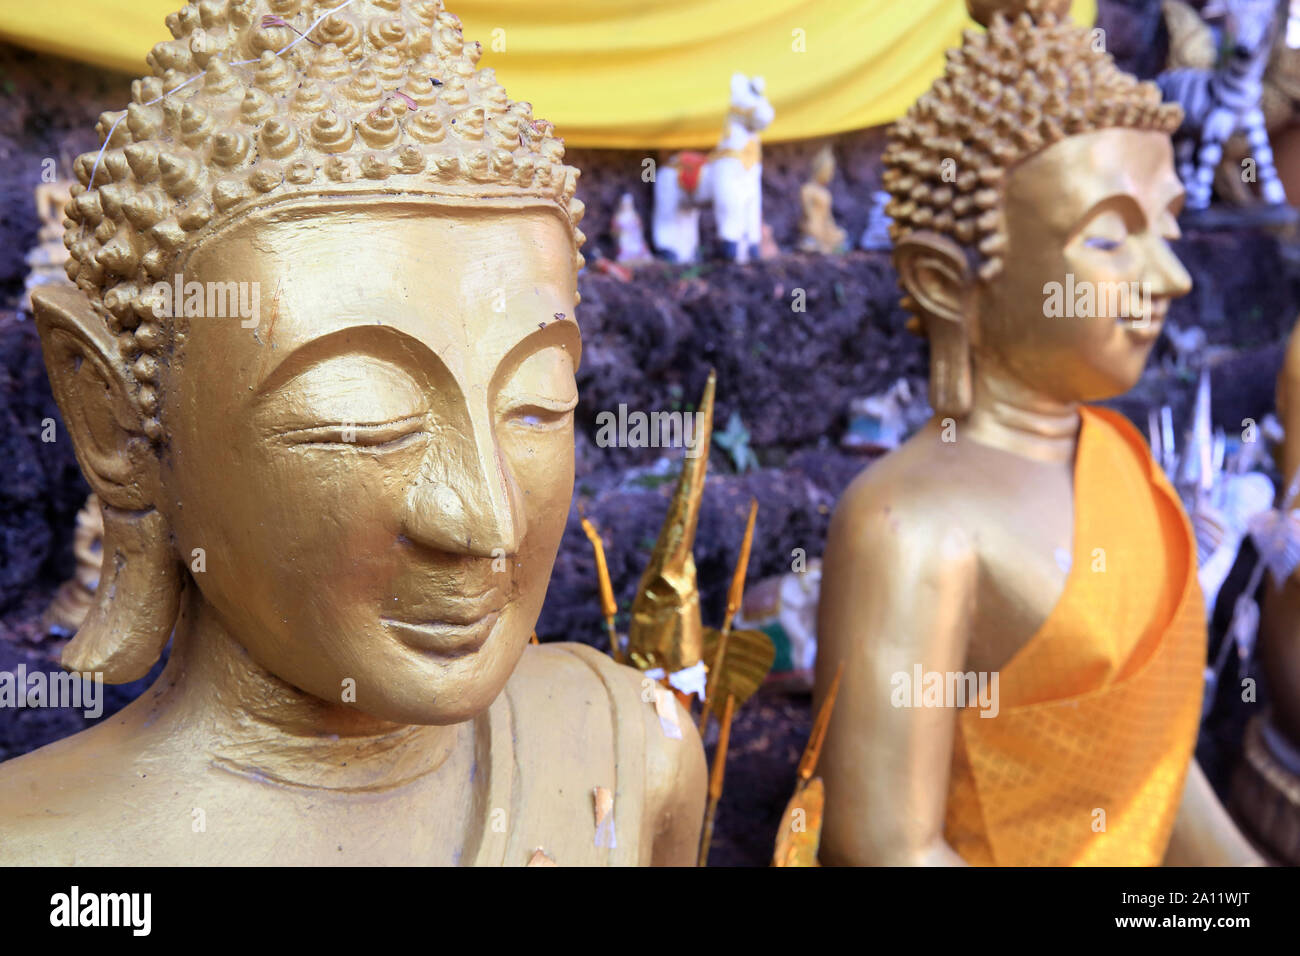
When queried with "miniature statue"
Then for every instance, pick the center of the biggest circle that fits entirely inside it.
(1218, 103)
(731, 177)
(880, 423)
(72, 603)
(817, 229)
(1011, 589)
(46, 259)
(627, 230)
(785, 608)
(345, 498)
(875, 238)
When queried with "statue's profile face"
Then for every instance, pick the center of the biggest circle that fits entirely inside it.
(379, 473)
(1088, 272)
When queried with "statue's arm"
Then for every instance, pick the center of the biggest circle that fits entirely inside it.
(1204, 834)
(898, 589)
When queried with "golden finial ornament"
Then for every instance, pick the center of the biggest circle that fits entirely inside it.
(666, 630)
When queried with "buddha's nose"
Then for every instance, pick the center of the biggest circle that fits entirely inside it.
(465, 500)
(1166, 276)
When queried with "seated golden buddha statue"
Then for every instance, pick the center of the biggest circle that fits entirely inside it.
(345, 501)
(817, 229)
(1012, 593)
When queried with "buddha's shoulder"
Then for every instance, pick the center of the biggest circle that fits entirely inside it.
(57, 768)
(79, 798)
(920, 469)
(911, 497)
(569, 681)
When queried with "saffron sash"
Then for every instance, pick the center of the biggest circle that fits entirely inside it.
(1086, 760)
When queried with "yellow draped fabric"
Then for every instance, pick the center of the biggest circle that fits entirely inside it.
(627, 73)
(1086, 760)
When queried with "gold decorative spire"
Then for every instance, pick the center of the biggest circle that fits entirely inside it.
(666, 630)
(608, 605)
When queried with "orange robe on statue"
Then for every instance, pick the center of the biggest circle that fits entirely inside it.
(1085, 762)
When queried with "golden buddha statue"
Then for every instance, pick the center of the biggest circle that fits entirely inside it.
(817, 229)
(342, 503)
(1012, 593)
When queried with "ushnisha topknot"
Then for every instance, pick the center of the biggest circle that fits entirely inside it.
(260, 101)
(1005, 95)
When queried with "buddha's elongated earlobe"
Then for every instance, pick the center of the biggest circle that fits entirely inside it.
(139, 588)
(939, 283)
(950, 369)
(136, 603)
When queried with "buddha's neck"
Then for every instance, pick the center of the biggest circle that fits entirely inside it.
(1008, 415)
(257, 725)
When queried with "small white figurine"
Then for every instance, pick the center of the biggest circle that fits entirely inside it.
(730, 177)
(629, 233)
(875, 238)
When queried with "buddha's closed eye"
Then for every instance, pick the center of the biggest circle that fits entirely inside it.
(541, 413)
(379, 436)
(540, 394)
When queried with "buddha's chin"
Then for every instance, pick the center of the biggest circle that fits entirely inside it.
(444, 700)
(424, 686)
(1111, 372)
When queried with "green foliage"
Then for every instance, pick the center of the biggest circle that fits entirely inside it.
(734, 440)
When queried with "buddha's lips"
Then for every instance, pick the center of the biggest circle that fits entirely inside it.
(442, 638)
(1146, 328)
(467, 608)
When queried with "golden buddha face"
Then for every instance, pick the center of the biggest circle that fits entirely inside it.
(379, 473)
(1089, 272)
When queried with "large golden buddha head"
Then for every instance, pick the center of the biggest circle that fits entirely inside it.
(363, 469)
(1034, 195)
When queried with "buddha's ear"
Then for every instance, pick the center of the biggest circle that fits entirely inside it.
(934, 271)
(938, 278)
(140, 583)
(91, 385)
